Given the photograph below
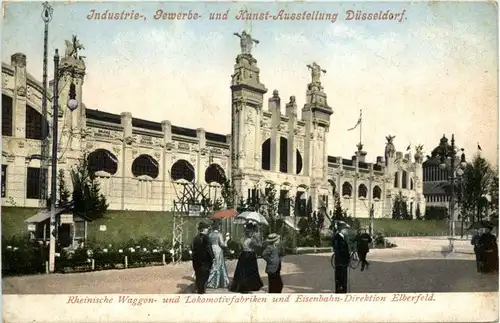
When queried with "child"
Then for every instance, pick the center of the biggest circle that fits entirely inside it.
(273, 263)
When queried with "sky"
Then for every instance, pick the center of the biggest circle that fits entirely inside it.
(433, 73)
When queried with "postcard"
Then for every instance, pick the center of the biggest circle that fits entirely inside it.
(249, 161)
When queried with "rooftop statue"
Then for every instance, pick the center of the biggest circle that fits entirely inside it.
(315, 72)
(72, 47)
(246, 42)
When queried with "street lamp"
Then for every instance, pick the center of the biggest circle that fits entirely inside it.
(72, 105)
(449, 153)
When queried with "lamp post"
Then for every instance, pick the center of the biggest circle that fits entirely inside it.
(44, 153)
(72, 104)
(449, 152)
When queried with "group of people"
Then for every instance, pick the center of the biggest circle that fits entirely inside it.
(209, 265)
(342, 254)
(486, 250)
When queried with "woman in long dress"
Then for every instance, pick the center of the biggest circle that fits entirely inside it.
(246, 276)
(218, 277)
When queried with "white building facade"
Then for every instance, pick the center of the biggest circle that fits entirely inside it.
(139, 162)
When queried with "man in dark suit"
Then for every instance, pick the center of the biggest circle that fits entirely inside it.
(203, 257)
(363, 241)
(342, 257)
(489, 250)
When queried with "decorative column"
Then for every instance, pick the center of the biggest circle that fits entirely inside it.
(18, 62)
(291, 113)
(275, 108)
(247, 94)
(201, 156)
(126, 123)
(166, 161)
(258, 144)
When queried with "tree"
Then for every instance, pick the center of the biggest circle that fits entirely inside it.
(64, 194)
(400, 208)
(270, 206)
(228, 194)
(477, 181)
(494, 194)
(338, 211)
(340, 214)
(88, 202)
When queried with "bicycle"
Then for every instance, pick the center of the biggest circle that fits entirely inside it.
(353, 260)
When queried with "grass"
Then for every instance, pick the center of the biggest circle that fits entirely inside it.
(13, 220)
(391, 227)
(121, 226)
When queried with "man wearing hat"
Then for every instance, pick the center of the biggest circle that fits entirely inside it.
(363, 241)
(342, 258)
(272, 257)
(203, 257)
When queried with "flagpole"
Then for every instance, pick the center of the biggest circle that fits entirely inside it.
(360, 125)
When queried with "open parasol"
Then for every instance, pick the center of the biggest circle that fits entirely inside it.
(481, 224)
(251, 216)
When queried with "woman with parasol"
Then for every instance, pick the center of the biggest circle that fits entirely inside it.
(246, 276)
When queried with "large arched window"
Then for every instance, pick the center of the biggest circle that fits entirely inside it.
(299, 162)
(404, 179)
(215, 173)
(283, 162)
(6, 115)
(145, 165)
(412, 185)
(346, 189)
(182, 169)
(377, 192)
(334, 187)
(102, 160)
(396, 180)
(362, 191)
(34, 124)
(283, 155)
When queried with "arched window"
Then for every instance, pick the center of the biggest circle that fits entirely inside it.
(283, 162)
(102, 160)
(334, 187)
(346, 189)
(377, 192)
(404, 180)
(266, 155)
(298, 160)
(6, 115)
(362, 191)
(411, 184)
(182, 169)
(396, 180)
(215, 173)
(283, 155)
(145, 165)
(34, 124)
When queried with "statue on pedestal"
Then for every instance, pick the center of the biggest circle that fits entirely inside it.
(72, 47)
(246, 42)
(315, 72)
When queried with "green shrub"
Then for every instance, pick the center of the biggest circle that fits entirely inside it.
(22, 257)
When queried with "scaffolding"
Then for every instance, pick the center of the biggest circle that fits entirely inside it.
(192, 199)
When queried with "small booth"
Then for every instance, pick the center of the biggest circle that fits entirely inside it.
(72, 229)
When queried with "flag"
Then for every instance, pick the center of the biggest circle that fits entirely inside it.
(357, 123)
(409, 147)
(478, 147)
